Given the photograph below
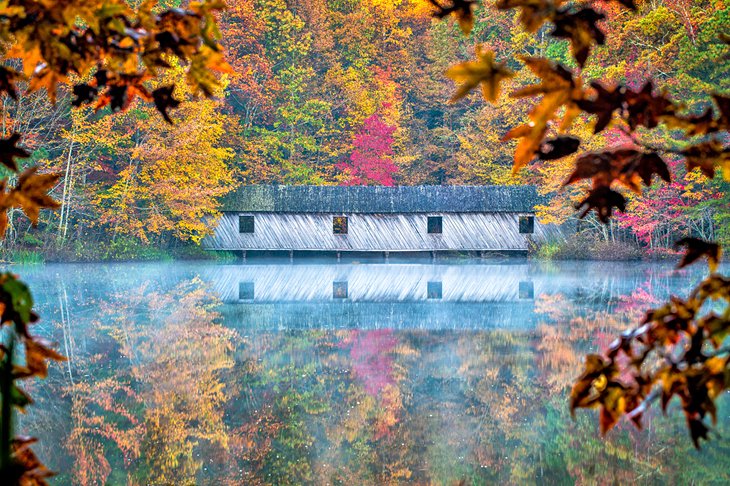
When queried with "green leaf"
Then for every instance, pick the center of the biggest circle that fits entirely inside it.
(21, 299)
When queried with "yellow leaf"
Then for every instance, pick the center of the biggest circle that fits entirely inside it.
(483, 71)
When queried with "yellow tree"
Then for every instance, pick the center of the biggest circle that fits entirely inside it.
(107, 52)
(174, 174)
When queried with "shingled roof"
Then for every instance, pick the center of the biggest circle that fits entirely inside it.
(379, 199)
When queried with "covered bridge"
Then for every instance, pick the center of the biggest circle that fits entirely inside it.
(380, 219)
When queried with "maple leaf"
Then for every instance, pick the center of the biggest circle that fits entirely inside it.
(627, 166)
(696, 124)
(588, 387)
(697, 430)
(723, 103)
(37, 352)
(84, 93)
(7, 81)
(164, 101)
(602, 165)
(48, 79)
(483, 71)
(553, 78)
(171, 42)
(613, 405)
(603, 200)
(706, 123)
(559, 88)
(531, 136)
(558, 147)
(101, 77)
(463, 10)
(202, 67)
(533, 13)
(645, 165)
(646, 109)
(28, 470)
(31, 193)
(706, 156)
(605, 103)
(9, 150)
(580, 28)
(696, 249)
(630, 4)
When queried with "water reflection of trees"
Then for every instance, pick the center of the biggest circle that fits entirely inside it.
(156, 396)
(167, 393)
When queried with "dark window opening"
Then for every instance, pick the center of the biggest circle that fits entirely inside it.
(339, 290)
(339, 225)
(435, 225)
(245, 224)
(245, 291)
(434, 290)
(527, 290)
(527, 224)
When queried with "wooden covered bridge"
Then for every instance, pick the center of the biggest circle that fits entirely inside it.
(380, 219)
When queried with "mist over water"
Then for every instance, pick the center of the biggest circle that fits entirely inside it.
(325, 373)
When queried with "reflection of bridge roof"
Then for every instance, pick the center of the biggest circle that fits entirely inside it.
(379, 200)
(372, 283)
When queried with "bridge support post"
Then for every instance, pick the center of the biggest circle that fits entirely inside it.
(291, 256)
(386, 254)
(243, 256)
(433, 256)
(339, 257)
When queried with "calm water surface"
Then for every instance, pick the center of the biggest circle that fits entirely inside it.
(323, 373)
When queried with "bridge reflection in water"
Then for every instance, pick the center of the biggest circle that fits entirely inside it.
(375, 296)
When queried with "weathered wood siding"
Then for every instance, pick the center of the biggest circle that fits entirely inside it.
(376, 232)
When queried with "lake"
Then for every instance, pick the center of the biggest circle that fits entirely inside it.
(352, 373)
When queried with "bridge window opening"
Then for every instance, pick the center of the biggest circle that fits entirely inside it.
(245, 291)
(434, 225)
(527, 224)
(245, 224)
(527, 290)
(339, 290)
(434, 290)
(339, 225)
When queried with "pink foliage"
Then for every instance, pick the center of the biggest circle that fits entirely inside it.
(635, 304)
(371, 163)
(663, 207)
(372, 359)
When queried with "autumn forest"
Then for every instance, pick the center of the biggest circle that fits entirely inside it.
(354, 92)
(364, 242)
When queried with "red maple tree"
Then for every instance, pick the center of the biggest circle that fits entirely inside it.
(371, 162)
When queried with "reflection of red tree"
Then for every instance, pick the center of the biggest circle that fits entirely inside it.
(636, 303)
(372, 358)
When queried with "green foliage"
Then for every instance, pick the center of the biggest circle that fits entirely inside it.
(25, 257)
(586, 246)
(125, 248)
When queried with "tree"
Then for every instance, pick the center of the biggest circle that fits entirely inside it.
(107, 55)
(370, 162)
(678, 348)
(170, 184)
